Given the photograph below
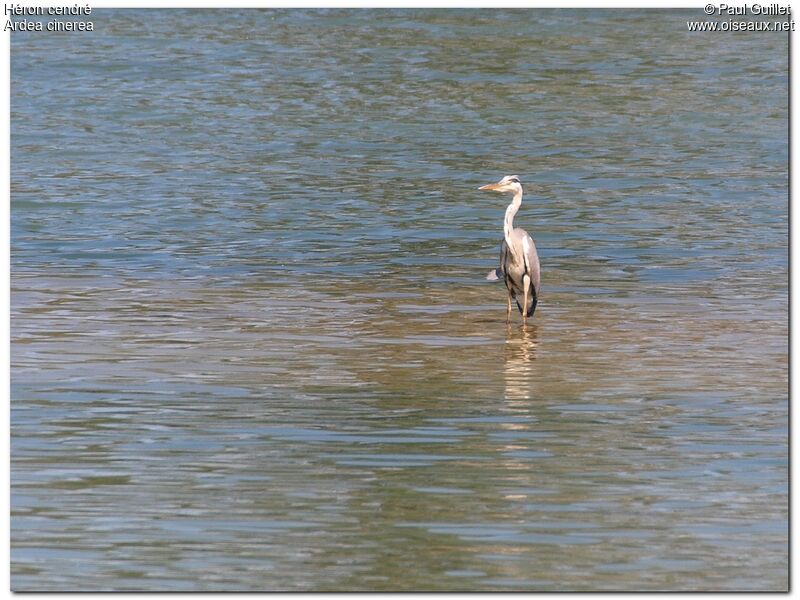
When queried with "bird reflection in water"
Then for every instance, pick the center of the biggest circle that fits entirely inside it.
(519, 432)
(520, 352)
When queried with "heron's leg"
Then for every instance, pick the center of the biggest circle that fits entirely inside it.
(508, 312)
(526, 284)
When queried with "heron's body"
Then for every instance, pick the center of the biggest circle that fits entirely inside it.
(519, 261)
(516, 265)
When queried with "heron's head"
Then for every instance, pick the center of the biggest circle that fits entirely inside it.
(509, 183)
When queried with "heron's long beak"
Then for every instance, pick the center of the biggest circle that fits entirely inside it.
(490, 186)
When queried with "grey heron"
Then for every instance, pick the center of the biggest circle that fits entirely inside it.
(519, 262)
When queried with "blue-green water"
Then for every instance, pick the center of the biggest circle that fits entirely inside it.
(252, 347)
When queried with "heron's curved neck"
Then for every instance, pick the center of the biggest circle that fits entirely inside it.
(508, 225)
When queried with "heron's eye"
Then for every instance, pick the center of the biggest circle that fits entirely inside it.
(514, 180)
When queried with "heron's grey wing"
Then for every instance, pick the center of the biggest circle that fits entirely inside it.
(533, 261)
(535, 274)
(499, 273)
(503, 258)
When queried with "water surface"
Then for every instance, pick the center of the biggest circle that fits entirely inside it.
(252, 347)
